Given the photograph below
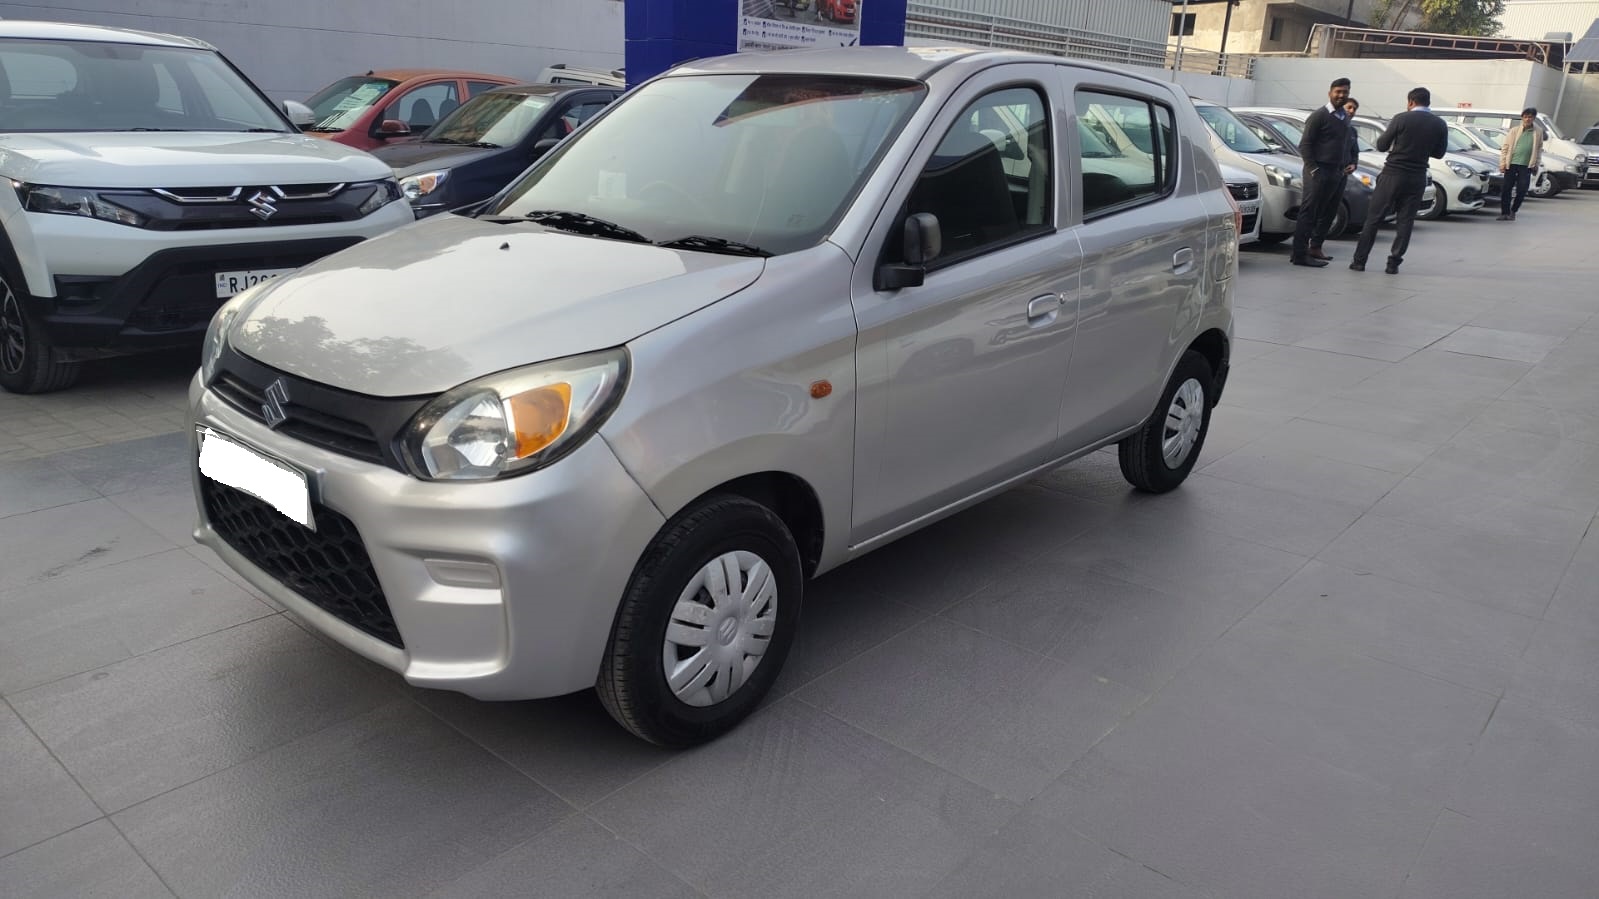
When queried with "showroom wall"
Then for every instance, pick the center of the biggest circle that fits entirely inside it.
(293, 47)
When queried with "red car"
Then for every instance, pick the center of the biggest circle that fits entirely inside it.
(365, 111)
(836, 10)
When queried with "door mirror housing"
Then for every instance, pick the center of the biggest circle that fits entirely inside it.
(393, 128)
(546, 145)
(300, 115)
(923, 242)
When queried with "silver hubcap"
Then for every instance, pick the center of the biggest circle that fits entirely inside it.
(13, 339)
(720, 628)
(1183, 418)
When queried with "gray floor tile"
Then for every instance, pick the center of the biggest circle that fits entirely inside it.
(38, 799)
(92, 618)
(1565, 424)
(1577, 599)
(1532, 319)
(1467, 859)
(1488, 508)
(1097, 477)
(575, 859)
(130, 465)
(939, 565)
(1464, 642)
(1233, 427)
(1319, 367)
(80, 537)
(1336, 341)
(214, 562)
(570, 745)
(1388, 724)
(998, 715)
(1254, 389)
(1171, 557)
(34, 484)
(92, 862)
(1280, 519)
(1495, 344)
(1447, 372)
(389, 802)
(1545, 470)
(1212, 805)
(1130, 633)
(841, 619)
(147, 725)
(1515, 574)
(798, 803)
(1425, 416)
(1533, 774)
(1559, 672)
(169, 509)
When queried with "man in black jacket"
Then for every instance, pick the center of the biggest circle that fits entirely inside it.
(1324, 146)
(1412, 138)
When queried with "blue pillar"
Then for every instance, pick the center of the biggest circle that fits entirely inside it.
(663, 33)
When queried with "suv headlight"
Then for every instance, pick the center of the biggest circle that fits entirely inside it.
(1462, 170)
(388, 190)
(74, 201)
(1279, 176)
(515, 421)
(416, 187)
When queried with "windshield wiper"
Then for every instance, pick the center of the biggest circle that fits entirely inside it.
(714, 245)
(442, 140)
(152, 129)
(262, 131)
(578, 223)
(484, 144)
(322, 130)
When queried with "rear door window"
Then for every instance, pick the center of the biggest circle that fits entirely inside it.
(1120, 171)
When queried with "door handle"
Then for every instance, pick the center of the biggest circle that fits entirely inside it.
(1182, 261)
(1039, 307)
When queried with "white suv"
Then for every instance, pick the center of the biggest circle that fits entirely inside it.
(147, 181)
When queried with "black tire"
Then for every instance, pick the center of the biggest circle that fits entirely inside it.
(1340, 222)
(1143, 462)
(1440, 208)
(26, 363)
(1542, 186)
(632, 683)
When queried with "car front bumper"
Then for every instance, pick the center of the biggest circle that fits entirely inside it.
(500, 590)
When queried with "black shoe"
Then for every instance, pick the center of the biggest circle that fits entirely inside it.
(1503, 218)
(1307, 261)
(1357, 266)
(1512, 217)
(1392, 269)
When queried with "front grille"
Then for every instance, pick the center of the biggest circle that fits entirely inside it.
(348, 438)
(1249, 222)
(329, 566)
(1244, 191)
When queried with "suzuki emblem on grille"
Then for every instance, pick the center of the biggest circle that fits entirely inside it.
(263, 205)
(277, 396)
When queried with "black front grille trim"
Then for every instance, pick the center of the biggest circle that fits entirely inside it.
(350, 424)
(1244, 191)
(328, 567)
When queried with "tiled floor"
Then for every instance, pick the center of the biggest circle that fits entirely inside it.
(1357, 655)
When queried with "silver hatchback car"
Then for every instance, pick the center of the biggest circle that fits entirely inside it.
(761, 316)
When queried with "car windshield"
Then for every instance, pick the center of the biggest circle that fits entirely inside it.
(1591, 138)
(1288, 132)
(770, 160)
(52, 85)
(337, 106)
(1234, 133)
(1493, 136)
(1459, 142)
(492, 118)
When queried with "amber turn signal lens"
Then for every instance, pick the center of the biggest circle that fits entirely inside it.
(539, 417)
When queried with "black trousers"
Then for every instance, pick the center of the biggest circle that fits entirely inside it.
(1318, 205)
(1401, 192)
(1518, 180)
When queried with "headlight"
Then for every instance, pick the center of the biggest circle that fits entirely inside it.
(388, 190)
(1279, 176)
(515, 421)
(1366, 179)
(1461, 170)
(74, 201)
(418, 186)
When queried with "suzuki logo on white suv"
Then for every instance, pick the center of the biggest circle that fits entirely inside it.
(263, 205)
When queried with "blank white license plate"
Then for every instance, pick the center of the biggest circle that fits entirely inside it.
(276, 483)
(230, 283)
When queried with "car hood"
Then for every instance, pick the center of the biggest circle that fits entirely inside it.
(435, 304)
(181, 159)
(412, 158)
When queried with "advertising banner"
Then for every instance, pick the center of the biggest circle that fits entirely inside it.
(784, 24)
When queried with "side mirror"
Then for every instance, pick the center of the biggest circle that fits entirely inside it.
(393, 128)
(924, 241)
(546, 145)
(299, 114)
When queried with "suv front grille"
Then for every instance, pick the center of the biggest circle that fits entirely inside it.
(329, 566)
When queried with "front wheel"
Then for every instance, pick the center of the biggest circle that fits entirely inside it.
(1438, 209)
(1158, 456)
(705, 625)
(1543, 186)
(27, 363)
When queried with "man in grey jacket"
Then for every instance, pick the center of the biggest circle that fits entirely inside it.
(1412, 138)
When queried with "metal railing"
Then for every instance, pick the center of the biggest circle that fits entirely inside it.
(934, 22)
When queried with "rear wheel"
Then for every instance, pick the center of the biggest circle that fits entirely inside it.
(26, 357)
(1340, 222)
(1159, 456)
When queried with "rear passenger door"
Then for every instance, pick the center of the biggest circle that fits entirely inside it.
(961, 377)
(1142, 229)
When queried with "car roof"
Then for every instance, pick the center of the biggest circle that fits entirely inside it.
(910, 63)
(408, 74)
(67, 31)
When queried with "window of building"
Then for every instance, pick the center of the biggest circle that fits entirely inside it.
(1183, 24)
(1276, 28)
